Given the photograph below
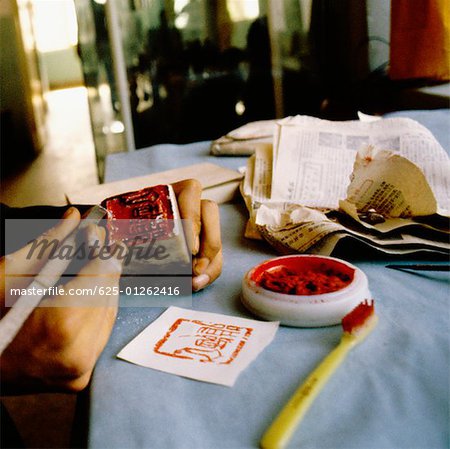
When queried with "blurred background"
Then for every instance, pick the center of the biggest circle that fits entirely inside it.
(178, 71)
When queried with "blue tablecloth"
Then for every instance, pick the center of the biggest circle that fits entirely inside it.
(391, 392)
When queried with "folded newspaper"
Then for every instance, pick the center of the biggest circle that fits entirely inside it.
(384, 182)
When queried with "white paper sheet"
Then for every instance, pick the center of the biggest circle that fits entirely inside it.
(200, 345)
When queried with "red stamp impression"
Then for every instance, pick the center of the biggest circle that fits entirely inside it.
(205, 342)
(205, 346)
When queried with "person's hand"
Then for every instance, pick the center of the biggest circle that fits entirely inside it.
(206, 243)
(58, 346)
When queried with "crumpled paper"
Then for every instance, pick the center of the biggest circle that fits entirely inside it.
(244, 141)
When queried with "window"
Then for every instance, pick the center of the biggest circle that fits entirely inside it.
(55, 24)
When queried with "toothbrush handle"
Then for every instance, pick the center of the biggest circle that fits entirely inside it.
(282, 428)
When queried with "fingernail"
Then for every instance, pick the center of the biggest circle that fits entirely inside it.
(196, 247)
(200, 281)
(69, 212)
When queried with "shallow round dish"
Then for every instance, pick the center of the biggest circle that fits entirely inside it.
(312, 310)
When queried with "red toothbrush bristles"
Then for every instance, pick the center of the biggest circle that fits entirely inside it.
(358, 316)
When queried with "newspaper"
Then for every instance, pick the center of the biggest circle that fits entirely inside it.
(383, 182)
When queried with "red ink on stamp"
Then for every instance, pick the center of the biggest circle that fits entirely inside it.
(139, 216)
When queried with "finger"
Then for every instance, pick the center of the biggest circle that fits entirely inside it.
(96, 283)
(18, 267)
(58, 233)
(103, 261)
(211, 273)
(88, 308)
(75, 338)
(207, 264)
(210, 243)
(95, 238)
(188, 194)
(34, 255)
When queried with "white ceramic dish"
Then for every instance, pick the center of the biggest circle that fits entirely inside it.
(304, 310)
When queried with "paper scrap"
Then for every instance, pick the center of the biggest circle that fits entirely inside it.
(384, 182)
(376, 184)
(244, 141)
(200, 345)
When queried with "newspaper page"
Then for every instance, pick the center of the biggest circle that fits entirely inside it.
(314, 157)
(385, 176)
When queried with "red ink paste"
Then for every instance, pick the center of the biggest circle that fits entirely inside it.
(308, 282)
(139, 216)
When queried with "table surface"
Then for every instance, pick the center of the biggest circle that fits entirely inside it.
(391, 392)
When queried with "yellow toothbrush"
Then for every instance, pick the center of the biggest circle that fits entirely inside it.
(356, 325)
